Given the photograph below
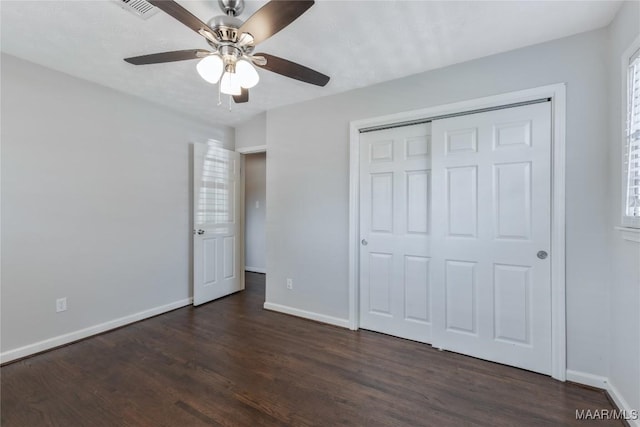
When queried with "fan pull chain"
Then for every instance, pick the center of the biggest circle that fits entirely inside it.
(230, 102)
(219, 96)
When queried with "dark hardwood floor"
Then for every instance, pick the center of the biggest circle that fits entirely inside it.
(231, 363)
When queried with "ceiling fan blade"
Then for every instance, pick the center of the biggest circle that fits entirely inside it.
(293, 70)
(177, 55)
(172, 8)
(243, 97)
(272, 17)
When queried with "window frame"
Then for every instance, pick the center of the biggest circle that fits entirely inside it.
(627, 221)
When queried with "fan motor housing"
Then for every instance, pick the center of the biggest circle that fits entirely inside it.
(225, 28)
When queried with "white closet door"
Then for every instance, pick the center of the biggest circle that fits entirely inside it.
(216, 268)
(395, 259)
(491, 283)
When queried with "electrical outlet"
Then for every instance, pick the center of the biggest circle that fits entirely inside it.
(289, 283)
(61, 304)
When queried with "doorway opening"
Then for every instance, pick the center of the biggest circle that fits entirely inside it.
(254, 192)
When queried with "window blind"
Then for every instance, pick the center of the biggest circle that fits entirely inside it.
(632, 155)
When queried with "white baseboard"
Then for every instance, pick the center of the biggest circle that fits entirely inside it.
(603, 383)
(70, 337)
(624, 406)
(587, 379)
(256, 270)
(336, 321)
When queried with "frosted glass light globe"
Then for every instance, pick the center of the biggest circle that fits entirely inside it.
(247, 74)
(210, 68)
(230, 84)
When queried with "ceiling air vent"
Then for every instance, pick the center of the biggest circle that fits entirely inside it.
(141, 8)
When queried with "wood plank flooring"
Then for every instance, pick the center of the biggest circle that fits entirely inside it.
(231, 363)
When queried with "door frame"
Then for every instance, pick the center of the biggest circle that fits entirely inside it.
(557, 94)
(243, 152)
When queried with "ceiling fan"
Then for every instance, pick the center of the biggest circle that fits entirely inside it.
(232, 60)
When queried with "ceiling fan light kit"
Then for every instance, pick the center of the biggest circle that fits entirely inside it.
(232, 62)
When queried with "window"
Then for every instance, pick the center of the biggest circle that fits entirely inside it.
(631, 208)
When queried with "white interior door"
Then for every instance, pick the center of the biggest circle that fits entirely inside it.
(491, 235)
(394, 225)
(216, 180)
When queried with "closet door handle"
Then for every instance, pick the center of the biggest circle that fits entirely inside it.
(364, 242)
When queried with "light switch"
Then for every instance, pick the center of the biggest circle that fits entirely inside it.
(257, 204)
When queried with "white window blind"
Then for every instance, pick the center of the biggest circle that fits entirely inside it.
(632, 154)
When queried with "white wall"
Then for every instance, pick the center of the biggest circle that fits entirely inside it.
(95, 203)
(308, 183)
(624, 370)
(255, 209)
(253, 132)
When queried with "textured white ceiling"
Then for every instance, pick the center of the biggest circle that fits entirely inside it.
(357, 43)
